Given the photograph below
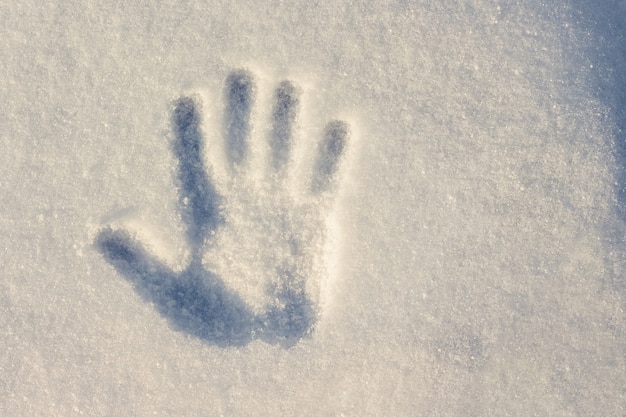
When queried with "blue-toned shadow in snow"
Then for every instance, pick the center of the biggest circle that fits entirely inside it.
(197, 301)
(194, 301)
(240, 95)
(599, 61)
(329, 154)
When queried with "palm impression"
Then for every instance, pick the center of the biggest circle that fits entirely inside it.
(241, 225)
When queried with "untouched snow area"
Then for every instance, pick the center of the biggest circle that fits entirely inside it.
(401, 208)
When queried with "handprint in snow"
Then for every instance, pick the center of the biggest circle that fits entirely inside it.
(239, 225)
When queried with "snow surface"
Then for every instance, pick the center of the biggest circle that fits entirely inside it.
(469, 262)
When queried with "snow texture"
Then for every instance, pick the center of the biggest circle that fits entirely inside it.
(196, 300)
(407, 208)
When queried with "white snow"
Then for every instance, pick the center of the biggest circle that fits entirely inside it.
(475, 250)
